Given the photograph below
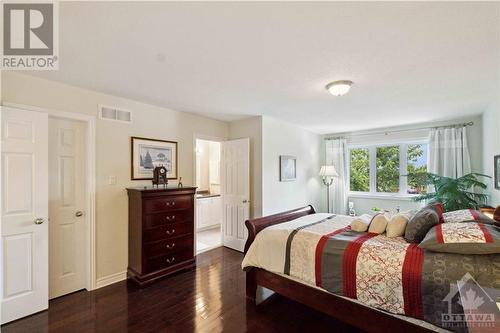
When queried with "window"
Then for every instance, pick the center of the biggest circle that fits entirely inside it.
(389, 169)
(417, 167)
(360, 170)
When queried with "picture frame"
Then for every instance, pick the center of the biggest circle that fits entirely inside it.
(147, 153)
(288, 168)
(497, 171)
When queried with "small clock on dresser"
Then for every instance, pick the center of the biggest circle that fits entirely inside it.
(160, 176)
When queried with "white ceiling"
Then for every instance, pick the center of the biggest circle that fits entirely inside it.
(410, 62)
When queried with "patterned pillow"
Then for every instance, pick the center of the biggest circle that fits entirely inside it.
(420, 223)
(438, 208)
(466, 215)
(463, 237)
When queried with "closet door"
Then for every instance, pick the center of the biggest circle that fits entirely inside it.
(24, 226)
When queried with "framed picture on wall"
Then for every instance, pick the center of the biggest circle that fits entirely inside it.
(288, 168)
(497, 172)
(146, 154)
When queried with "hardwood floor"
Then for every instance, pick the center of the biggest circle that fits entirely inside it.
(209, 298)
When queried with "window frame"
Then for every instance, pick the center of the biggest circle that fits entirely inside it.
(403, 169)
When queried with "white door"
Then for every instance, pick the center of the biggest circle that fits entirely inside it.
(24, 213)
(66, 206)
(235, 192)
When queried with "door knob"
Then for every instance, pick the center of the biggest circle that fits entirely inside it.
(38, 220)
(79, 213)
(245, 201)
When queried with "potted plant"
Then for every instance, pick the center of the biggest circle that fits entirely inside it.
(376, 210)
(454, 194)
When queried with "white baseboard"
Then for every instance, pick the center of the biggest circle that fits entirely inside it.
(110, 279)
(209, 227)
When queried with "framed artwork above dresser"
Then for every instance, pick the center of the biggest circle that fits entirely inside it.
(146, 154)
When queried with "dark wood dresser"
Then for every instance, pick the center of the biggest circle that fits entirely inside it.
(160, 232)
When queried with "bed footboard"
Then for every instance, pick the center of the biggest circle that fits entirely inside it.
(255, 226)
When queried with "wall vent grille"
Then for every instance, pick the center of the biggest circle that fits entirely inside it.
(114, 114)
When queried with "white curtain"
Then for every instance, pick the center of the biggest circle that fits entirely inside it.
(336, 152)
(449, 152)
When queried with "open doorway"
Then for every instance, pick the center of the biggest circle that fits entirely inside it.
(208, 199)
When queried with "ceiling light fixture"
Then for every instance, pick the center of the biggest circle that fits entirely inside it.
(339, 88)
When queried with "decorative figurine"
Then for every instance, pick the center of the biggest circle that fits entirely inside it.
(160, 176)
(180, 182)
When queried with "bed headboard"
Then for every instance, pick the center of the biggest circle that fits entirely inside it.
(254, 226)
(491, 212)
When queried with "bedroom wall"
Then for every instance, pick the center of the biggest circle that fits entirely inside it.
(202, 155)
(281, 138)
(363, 204)
(113, 150)
(491, 147)
(252, 128)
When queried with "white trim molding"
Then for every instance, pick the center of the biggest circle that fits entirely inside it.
(110, 279)
(383, 196)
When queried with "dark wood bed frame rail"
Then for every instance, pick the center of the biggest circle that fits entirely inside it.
(360, 316)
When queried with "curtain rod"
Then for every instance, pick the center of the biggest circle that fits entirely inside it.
(470, 123)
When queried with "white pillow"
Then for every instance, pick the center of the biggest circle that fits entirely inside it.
(378, 224)
(397, 225)
(360, 223)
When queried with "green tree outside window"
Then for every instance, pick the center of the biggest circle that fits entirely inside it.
(360, 170)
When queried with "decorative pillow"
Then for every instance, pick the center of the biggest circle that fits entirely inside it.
(463, 237)
(378, 224)
(397, 225)
(466, 215)
(361, 223)
(420, 223)
(438, 208)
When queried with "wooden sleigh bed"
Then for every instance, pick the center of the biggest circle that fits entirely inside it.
(363, 317)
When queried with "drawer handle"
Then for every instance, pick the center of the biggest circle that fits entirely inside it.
(170, 246)
(170, 232)
(170, 261)
(170, 203)
(170, 217)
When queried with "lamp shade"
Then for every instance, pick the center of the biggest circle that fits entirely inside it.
(328, 171)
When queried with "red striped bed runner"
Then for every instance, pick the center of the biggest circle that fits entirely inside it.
(349, 264)
(412, 281)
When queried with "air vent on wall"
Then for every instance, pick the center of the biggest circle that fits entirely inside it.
(114, 113)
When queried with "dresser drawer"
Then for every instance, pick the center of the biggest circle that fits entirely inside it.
(155, 220)
(169, 246)
(168, 231)
(165, 261)
(168, 203)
